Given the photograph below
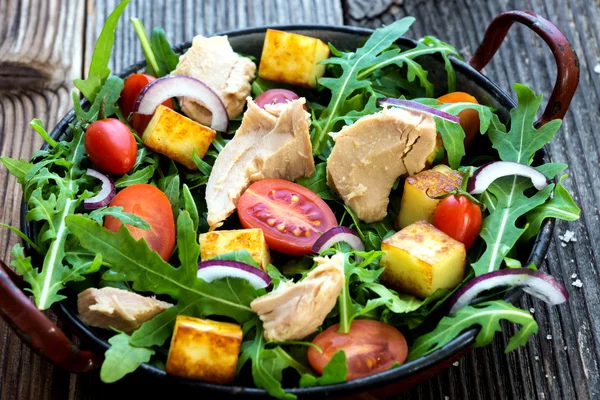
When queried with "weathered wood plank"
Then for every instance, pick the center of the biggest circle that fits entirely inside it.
(565, 366)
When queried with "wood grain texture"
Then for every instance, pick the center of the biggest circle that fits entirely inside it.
(561, 362)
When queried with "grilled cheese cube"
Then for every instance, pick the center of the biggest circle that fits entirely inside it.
(421, 259)
(216, 243)
(416, 204)
(204, 349)
(176, 136)
(292, 58)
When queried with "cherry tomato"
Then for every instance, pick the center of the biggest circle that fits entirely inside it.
(111, 146)
(469, 118)
(370, 346)
(131, 90)
(275, 96)
(153, 206)
(458, 218)
(290, 216)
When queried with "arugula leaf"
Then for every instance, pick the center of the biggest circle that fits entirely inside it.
(334, 372)
(190, 206)
(122, 358)
(117, 212)
(99, 70)
(260, 85)
(140, 176)
(351, 65)
(170, 186)
(38, 126)
(561, 206)
(104, 104)
(152, 67)
(23, 236)
(166, 58)
(133, 261)
(522, 141)
(487, 315)
(317, 183)
(17, 168)
(371, 234)
(242, 256)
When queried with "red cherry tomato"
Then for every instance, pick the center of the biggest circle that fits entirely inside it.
(153, 206)
(131, 90)
(275, 96)
(370, 346)
(458, 218)
(111, 146)
(469, 118)
(290, 216)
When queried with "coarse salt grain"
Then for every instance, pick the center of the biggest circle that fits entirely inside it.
(577, 283)
(455, 363)
(537, 358)
(532, 310)
(568, 236)
(597, 69)
(573, 276)
(549, 337)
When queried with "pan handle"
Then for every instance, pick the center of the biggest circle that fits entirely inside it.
(567, 63)
(35, 329)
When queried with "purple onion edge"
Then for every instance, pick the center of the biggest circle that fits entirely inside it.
(336, 230)
(238, 265)
(92, 205)
(419, 107)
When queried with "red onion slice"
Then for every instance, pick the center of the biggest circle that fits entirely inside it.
(336, 235)
(104, 196)
(536, 283)
(156, 92)
(416, 106)
(488, 173)
(218, 269)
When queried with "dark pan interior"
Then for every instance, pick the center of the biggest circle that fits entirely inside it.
(249, 42)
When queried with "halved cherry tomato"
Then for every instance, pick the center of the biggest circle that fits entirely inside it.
(290, 216)
(469, 118)
(131, 90)
(111, 146)
(153, 206)
(459, 218)
(275, 96)
(370, 346)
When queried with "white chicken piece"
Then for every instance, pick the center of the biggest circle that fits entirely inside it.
(270, 143)
(295, 310)
(213, 62)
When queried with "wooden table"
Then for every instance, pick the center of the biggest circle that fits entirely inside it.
(44, 44)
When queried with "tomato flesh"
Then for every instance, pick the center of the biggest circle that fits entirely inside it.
(469, 118)
(458, 218)
(290, 216)
(370, 346)
(275, 96)
(153, 206)
(131, 90)
(111, 146)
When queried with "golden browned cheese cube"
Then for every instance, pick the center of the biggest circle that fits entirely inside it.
(292, 58)
(421, 259)
(204, 349)
(216, 243)
(417, 203)
(175, 136)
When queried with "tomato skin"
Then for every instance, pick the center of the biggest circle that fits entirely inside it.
(469, 118)
(131, 90)
(370, 346)
(111, 146)
(458, 218)
(290, 216)
(153, 206)
(275, 96)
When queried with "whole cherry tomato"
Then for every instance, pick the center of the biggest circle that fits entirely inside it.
(291, 216)
(469, 118)
(111, 146)
(459, 218)
(131, 90)
(370, 346)
(153, 206)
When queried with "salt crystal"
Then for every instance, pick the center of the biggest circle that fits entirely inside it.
(455, 363)
(446, 397)
(566, 348)
(532, 310)
(597, 69)
(549, 337)
(574, 276)
(546, 375)
(563, 244)
(537, 358)
(569, 236)
(577, 283)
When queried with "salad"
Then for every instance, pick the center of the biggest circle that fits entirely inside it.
(324, 212)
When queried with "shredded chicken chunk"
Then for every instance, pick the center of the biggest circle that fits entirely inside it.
(369, 155)
(270, 143)
(213, 61)
(116, 308)
(295, 310)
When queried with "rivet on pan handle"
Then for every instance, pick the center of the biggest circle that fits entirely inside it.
(567, 63)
